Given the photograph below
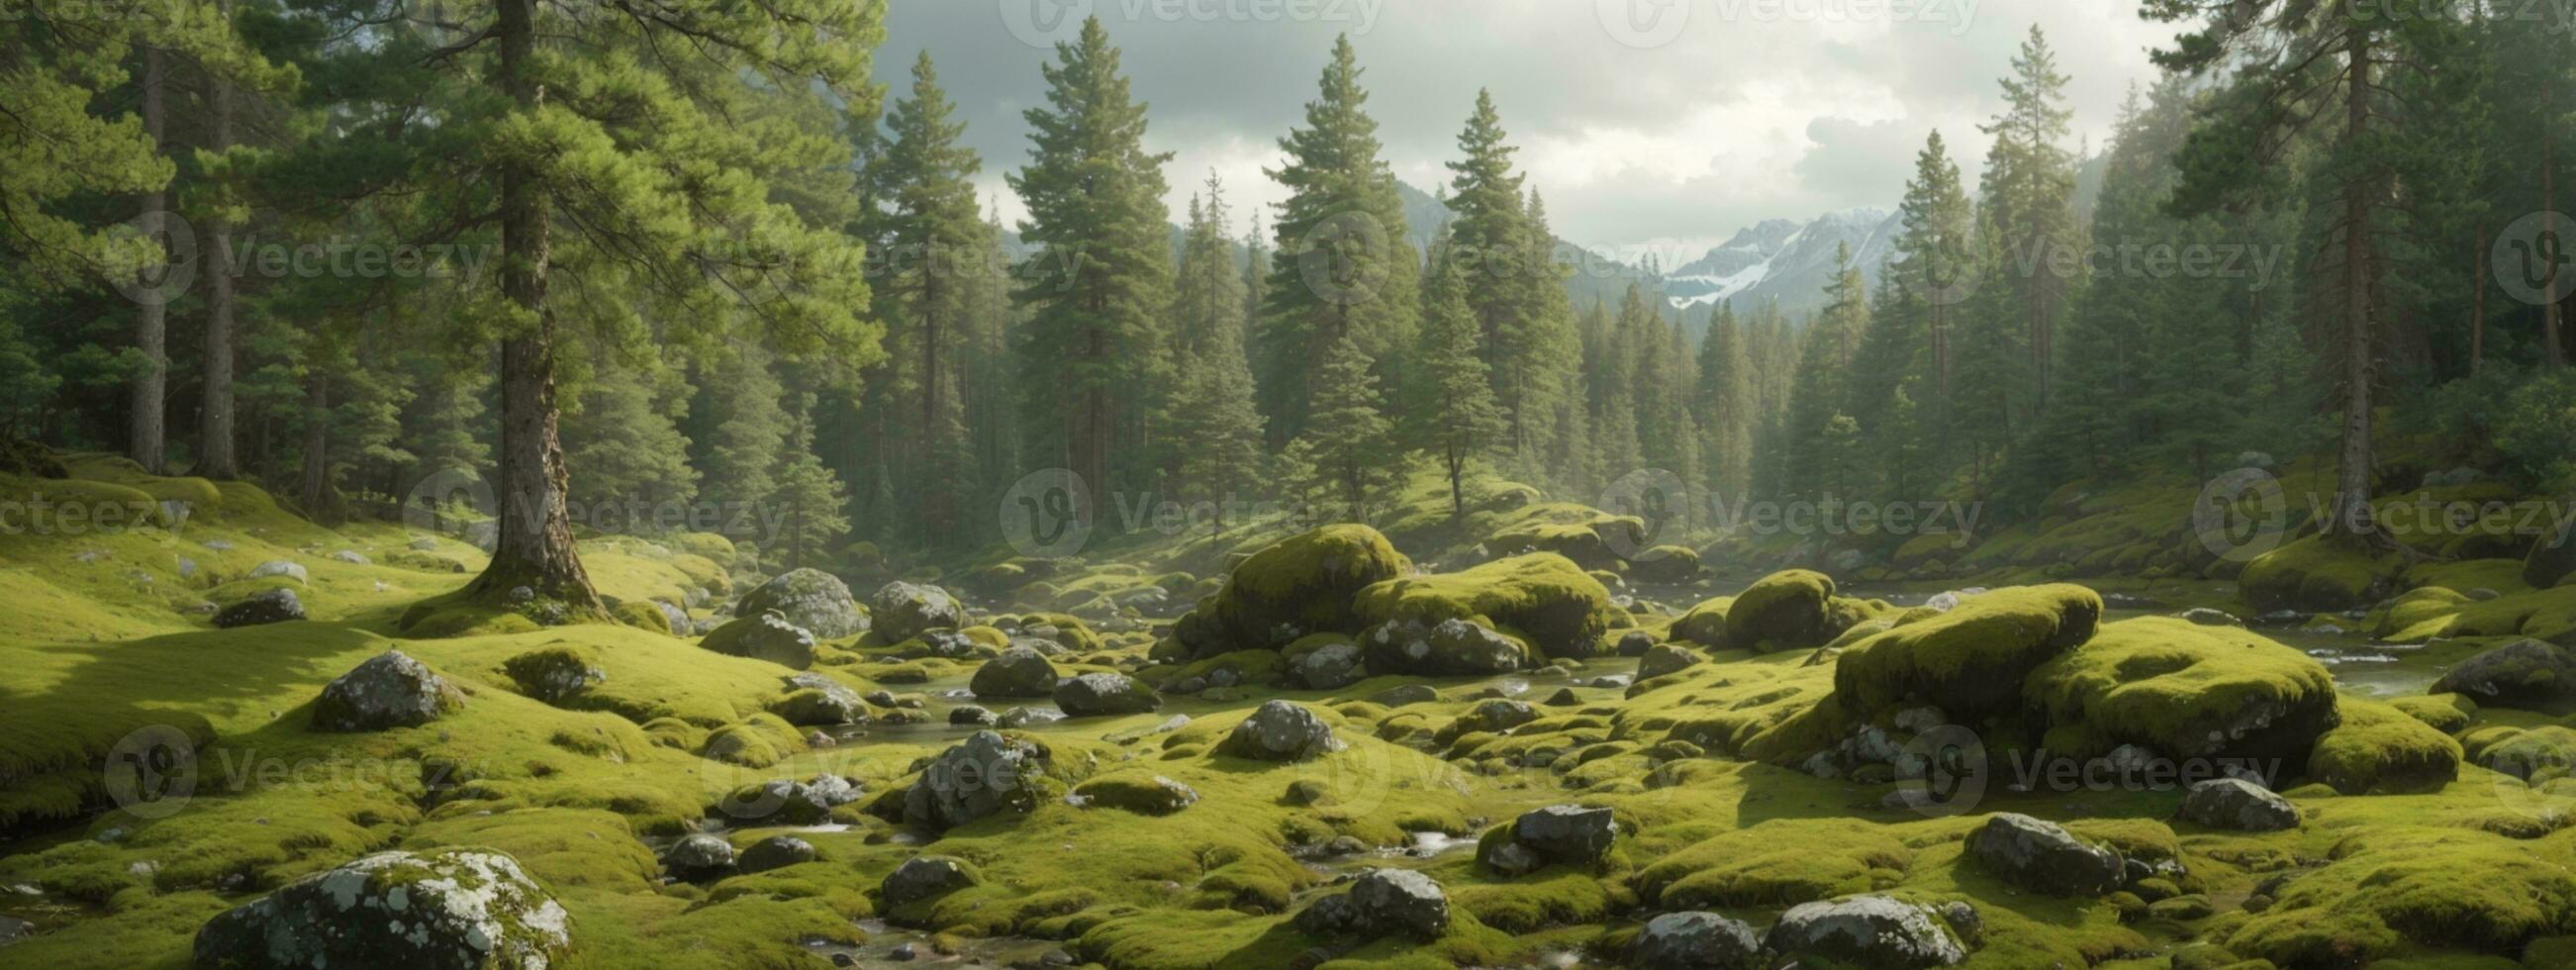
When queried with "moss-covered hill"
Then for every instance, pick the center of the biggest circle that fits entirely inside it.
(1793, 744)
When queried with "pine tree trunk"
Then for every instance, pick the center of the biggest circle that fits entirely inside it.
(2352, 515)
(216, 457)
(535, 547)
(315, 493)
(151, 325)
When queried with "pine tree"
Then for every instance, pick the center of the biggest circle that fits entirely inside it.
(808, 497)
(1100, 287)
(1349, 445)
(1935, 261)
(934, 236)
(625, 443)
(1724, 404)
(1820, 442)
(1343, 267)
(2029, 194)
(1493, 238)
(1215, 424)
(1453, 416)
(750, 430)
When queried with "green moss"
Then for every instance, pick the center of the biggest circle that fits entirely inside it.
(2377, 748)
(2447, 713)
(1969, 661)
(2183, 690)
(1303, 584)
(1705, 623)
(1541, 598)
(1777, 864)
(2315, 575)
(2440, 887)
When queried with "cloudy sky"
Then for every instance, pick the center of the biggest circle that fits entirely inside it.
(1650, 125)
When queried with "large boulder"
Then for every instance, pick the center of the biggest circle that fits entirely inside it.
(1792, 610)
(2317, 575)
(1104, 695)
(389, 690)
(260, 609)
(903, 611)
(1291, 588)
(1695, 941)
(925, 877)
(2180, 690)
(2239, 805)
(1382, 902)
(452, 909)
(1665, 658)
(699, 857)
(2378, 748)
(809, 598)
(2523, 674)
(1019, 672)
(2042, 857)
(984, 774)
(1704, 624)
(1865, 931)
(1280, 731)
(767, 636)
(1969, 661)
(1542, 598)
(1449, 648)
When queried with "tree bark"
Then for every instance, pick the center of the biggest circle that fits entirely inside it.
(2352, 513)
(145, 442)
(535, 548)
(216, 456)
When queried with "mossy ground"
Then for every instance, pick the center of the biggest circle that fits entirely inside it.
(2464, 872)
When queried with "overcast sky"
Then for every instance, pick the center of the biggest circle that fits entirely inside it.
(1650, 125)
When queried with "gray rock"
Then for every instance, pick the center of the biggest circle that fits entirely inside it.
(424, 545)
(1280, 731)
(2522, 672)
(1104, 695)
(280, 567)
(776, 852)
(1382, 902)
(2041, 857)
(2233, 803)
(791, 802)
(1665, 659)
(903, 610)
(1019, 672)
(554, 675)
(350, 556)
(925, 877)
(949, 644)
(452, 909)
(809, 598)
(389, 690)
(1635, 643)
(260, 609)
(976, 778)
(1567, 834)
(2205, 616)
(1332, 666)
(1496, 714)
(969, 715)
(1695, 941)
(814, 699)
(767, 636)
(1407, 694)
(1866, 931)
(681, 624)
(698, 857)
(1450, 648)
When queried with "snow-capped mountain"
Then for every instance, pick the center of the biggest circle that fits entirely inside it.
(1779, 259)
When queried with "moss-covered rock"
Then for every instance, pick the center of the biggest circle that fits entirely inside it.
(2182, 690)
(454, 909)
(1142, 794)
(2316, 575)
(2523, 674)
(809, 598)
(901, 611)
(2552, 558)
(1705, 623)
(1449, 648)
(2399, 887)
(1792, 610)
(767, 636)
(1970, 661)
(1542, 598)
(555, 674)
(2377, 748)
(1294, 587)
(388, 691)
